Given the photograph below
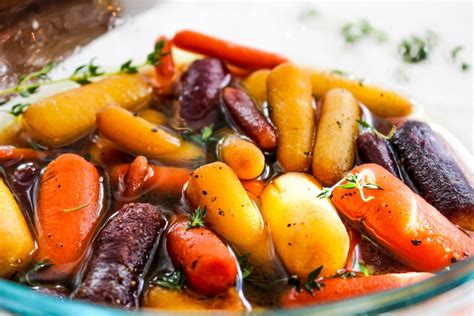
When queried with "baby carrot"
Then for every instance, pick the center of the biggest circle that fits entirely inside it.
(67, 213)
(165, 67)
(140, 177)
(254, 186)
(208, 265)
(413, 230)
(13, 153)
(335, 289)
(235, 54)
(246, 159)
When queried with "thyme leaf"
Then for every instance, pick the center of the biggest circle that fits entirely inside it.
(174, 280)
(464, 66)
(310, 284)
(417, 48)
(354, 32)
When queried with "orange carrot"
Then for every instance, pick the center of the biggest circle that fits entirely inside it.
(253, 186)
(237, 71)
(13, 153)
(402, 221)
(335, 289)
(141, 177)
(67, 213)
(235, 54)
(208, 265)
(165, 67)
(136, 176)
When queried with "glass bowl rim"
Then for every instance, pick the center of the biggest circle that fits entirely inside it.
(19, 299)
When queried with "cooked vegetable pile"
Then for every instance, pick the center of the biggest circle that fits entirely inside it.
(235, 181)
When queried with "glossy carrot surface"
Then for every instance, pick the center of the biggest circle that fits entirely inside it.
(403, 222)
(235, 54)
(336, 289)
(208, 265)
(68, 211)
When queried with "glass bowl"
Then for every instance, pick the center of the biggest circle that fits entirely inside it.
(19, 299)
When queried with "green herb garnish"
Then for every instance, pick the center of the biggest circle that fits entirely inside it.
(77, 208)
(196, 219)
(17, 109)
(354, 32)
(454, 56)
(311, 282)
(417, 48)
(205, 135)
(352, 182)
(364, 124)
(347, 274)
(127, 67)
(38, 267)
(245, 266)
(173, 281)
(455, 52)
(82, 75)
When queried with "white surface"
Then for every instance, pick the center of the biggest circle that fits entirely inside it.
(437, 84)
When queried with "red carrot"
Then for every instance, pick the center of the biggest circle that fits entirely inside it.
(401, 221)
(140, 177)
(208, 265)
(335, 289)
(67, 213)
(235, 54)
(165, 67)
(13, 153)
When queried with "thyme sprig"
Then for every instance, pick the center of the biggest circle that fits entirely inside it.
(82, 75)
(174, 280)
(353, 181)
(364, 124)
(312, 283)
(196, 219)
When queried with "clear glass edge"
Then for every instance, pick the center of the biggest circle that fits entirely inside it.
(18, 299)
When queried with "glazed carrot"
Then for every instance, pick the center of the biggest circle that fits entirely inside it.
(208, 265)
(67, 212)
(404, 223)
(235, 54)
(140, 177)
(246, 159)
(165, 67)
(14, 153)
(237, 71)
(254, 186)
(335, 289)
(136, 176)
